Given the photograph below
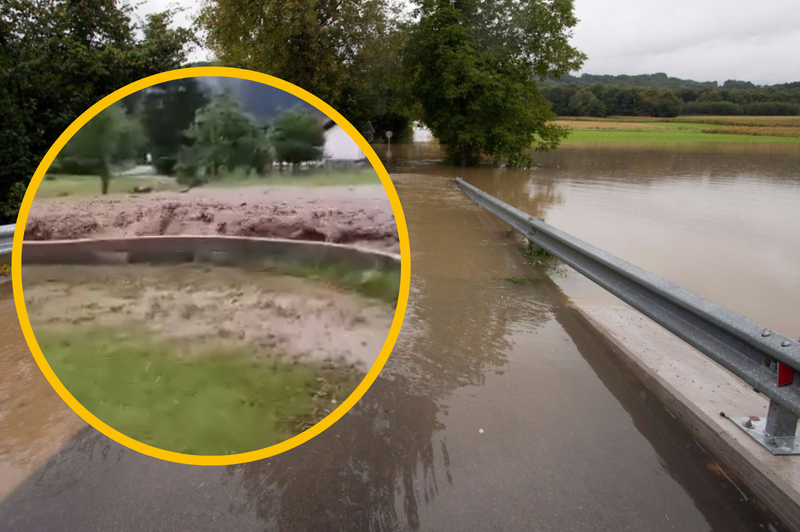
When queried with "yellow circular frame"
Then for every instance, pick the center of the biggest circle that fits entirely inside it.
(402, 301)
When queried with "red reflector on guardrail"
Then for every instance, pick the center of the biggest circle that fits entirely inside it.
(785, 375)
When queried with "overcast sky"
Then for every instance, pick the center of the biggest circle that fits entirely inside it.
(704, 40)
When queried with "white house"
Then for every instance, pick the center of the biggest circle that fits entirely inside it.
(339, 146)
(422, 133)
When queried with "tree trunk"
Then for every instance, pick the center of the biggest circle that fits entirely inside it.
(105, 177)
(463, 157)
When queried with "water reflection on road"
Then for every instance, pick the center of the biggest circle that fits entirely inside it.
(499, 409)
(724, 223)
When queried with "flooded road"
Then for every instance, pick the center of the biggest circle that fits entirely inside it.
(499, 409)
(724, 224)
(34, 421)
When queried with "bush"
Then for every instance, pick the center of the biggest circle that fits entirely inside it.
(188, 169)
(166, 165)
(74, 165)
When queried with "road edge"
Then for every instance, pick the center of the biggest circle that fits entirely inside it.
(755, 467)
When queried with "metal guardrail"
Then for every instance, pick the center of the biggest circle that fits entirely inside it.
(6, 238)
(750, 351)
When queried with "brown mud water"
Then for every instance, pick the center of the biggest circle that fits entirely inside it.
(359, 215)
(203, 358)
(500, 408)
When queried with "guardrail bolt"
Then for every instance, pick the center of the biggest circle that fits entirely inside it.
(748, 424)
(772, 441)
(786, 343)
(765, 333)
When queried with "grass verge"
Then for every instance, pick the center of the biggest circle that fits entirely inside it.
(314, 178)
(383, 285)
(202, 401)
(538, 256)
(59, 186)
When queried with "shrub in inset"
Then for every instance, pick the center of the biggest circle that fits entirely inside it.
(166, 165)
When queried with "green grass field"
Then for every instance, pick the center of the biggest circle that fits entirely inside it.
(55, 186)
(681, 132)
(365, 176)
(665, 137)
(58, 186)
(208, 401)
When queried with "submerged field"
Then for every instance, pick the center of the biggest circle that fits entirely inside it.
(682, 131)
(209, 360)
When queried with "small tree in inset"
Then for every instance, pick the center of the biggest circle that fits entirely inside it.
(109, 138)
(222, 135)
(297, 137)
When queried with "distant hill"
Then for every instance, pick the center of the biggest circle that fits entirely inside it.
(262, 101)
(658, 80)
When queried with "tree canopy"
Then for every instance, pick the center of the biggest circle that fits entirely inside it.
(346, 52)
(473, 65)
(297, 136)
(58, 58)
(575, 99)
(167, 111)
(468, 68)
(223, 135)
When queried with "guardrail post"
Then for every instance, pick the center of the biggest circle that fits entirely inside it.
(781, 423)
(777, 433)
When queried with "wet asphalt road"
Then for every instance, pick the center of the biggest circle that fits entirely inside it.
(499, 409)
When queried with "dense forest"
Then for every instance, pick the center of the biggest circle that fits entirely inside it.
(659, 95)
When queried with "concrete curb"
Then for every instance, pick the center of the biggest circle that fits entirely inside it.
(209, 249)
(697, 391)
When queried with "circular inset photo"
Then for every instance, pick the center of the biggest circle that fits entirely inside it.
(211, 266)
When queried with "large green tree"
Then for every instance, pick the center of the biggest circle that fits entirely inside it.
(346, 52)
(474, 66)
(59, 57)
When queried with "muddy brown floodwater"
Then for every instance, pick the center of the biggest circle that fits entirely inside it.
(360, 215)
(500, 408)
(35, 421)
(722, 223)
(276, 314)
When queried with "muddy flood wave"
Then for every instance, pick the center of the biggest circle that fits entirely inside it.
(361, 219)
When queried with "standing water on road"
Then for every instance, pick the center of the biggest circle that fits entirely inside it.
(499, 409)
(724, 224)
